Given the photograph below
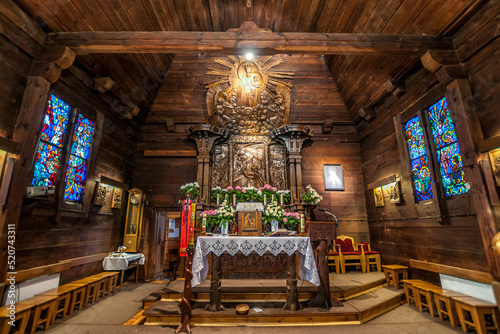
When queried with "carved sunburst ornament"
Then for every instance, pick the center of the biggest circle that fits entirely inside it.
(249, 99)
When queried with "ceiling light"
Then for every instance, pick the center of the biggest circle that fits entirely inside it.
(249, 56)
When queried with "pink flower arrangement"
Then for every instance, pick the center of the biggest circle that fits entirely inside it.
(208, 213)
(229, 188)
(291, 218)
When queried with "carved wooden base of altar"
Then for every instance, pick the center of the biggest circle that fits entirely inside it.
(260, 246)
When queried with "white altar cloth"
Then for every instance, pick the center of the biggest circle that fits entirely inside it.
(122, 262)
(259, 245)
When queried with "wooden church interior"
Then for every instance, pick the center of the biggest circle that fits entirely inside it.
(350, 75)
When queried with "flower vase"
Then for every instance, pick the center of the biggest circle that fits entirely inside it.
(224, 229)
(291, 227)
(210, 229)
(309, 212)
(274, 225)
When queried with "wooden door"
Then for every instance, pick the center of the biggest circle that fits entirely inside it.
(159, 249)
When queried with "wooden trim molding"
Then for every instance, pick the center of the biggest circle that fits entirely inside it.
(26, 274)
(473, 275)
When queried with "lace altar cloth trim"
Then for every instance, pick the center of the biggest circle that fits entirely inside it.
(259, 245)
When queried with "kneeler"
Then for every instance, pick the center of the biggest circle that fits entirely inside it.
(320, 232)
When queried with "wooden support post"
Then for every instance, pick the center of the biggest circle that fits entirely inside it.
(25, 133)
(464, 115)
(215, 286)
(186, 324)
(292, 301)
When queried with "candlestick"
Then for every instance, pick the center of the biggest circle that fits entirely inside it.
(204, 224)
(234, 199)
(302, 225)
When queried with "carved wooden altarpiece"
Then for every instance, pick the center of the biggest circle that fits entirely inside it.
(249, 142)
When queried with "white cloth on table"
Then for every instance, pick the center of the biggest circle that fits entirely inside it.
(122, 262)
(259, 245)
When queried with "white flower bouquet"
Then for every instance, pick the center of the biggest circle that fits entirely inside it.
(272, 211)
(193, 188)
(311, 196)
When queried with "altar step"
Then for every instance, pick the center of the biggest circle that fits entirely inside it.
(343, 287)
(354, 311)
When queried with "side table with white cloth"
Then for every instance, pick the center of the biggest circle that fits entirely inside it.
(122, 262)
(259, 245)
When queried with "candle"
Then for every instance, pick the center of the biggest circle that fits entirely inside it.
(234, 199)
(192, 226)
(218, 199)
(265, 199)
(204, 223)
(272, 199)
(281, 199)
(302, 224)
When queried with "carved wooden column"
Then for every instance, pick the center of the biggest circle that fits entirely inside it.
(44, 72)
(205, 136)
(293, 136)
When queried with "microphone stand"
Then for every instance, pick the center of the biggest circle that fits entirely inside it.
(331, 214)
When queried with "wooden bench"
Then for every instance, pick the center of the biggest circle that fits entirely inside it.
(472, 312)
(445, 305)
(423, 293)
(409, 290)
(22, 316)
(63, 301)
(42, 312)
(392, 274)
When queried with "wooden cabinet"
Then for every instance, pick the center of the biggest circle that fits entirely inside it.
(133, 222)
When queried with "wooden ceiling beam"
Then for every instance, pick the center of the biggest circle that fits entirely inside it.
(261, 42)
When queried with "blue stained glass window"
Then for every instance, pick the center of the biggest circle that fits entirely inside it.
(415, 141)
(76, 173)
(447, 149)
(48, 153)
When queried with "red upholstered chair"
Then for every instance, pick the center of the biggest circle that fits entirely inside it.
(348, 252)
(371, 257)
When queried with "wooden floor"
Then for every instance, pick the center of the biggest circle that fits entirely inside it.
(364, 297)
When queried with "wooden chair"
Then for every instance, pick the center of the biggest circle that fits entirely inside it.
(333, 260)
(348, 252)
(371, 257)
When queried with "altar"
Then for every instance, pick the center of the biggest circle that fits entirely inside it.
(259, 245)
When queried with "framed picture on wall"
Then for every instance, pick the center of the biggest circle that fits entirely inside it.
(378, 195)
(334, 177)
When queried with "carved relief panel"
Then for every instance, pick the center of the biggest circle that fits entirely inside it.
(249, 164)
(220, 170)
(277, 166)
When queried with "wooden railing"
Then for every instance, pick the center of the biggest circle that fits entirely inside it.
(473, 275)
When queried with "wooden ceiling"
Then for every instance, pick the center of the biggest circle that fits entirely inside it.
(359, 78)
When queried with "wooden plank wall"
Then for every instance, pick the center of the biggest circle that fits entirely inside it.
(41, 238)
(398, 234)
(45, 239)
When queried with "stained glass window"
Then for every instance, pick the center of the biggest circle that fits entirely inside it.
(447, 149)
(49, 151)
(415, 141)
(76, 173)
